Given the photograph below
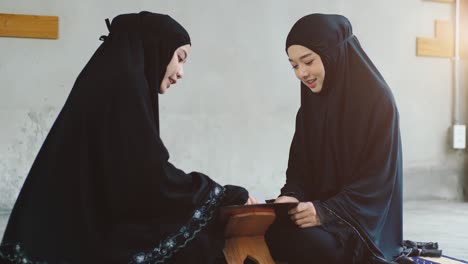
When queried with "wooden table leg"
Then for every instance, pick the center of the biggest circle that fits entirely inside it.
(238, 249)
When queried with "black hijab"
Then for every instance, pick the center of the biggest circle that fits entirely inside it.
(101, 188)
(346, 152)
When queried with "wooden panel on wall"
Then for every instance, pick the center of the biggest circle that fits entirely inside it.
(440, 46)
(28, 26)
(464, 29)
(444, 1)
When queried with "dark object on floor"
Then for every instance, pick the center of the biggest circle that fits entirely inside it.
(423, 249)
(418, 249)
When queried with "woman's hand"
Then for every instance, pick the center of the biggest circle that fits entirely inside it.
(286, 199)
(251, 200)
(304, 215)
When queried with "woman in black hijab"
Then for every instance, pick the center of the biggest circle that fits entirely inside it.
(345, 162)
(101, 189)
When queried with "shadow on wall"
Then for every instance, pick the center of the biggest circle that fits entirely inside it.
(17, 158)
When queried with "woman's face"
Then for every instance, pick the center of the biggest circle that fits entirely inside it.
(175, 68)
(307, 66)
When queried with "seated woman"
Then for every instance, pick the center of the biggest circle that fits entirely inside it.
(345, 161)
(102, 189)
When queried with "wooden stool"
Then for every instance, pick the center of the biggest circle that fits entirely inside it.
(245, 239)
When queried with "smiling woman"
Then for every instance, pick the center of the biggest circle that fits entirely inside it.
(345, 161)
(175, 68)
(102, 189)
(307, 66)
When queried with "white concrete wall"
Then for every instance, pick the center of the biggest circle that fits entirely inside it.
(232, 116)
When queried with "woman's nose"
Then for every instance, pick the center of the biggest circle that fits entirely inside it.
(303, 73)
(180, 73)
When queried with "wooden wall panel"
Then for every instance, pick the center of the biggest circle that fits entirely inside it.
(464, 29)
(444, 1)
(442, 45)
(28, 26)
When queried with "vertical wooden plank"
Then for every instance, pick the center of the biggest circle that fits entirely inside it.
(237, 249)
(28, 26)
(444, 1)
(464, 29)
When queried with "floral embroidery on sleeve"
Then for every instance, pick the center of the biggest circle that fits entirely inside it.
(173, 243)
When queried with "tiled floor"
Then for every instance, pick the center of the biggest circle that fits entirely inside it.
(441, 221)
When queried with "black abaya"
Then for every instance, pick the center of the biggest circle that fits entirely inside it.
(346, 154)
(102, 189)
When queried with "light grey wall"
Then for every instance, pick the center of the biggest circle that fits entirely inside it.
(232, 116)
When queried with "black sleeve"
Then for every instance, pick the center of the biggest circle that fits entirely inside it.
(324, 215)
(296, 164)
(234, 195)
(192, 188)
(365, 199)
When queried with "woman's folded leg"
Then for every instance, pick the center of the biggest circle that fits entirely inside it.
(293, 245)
